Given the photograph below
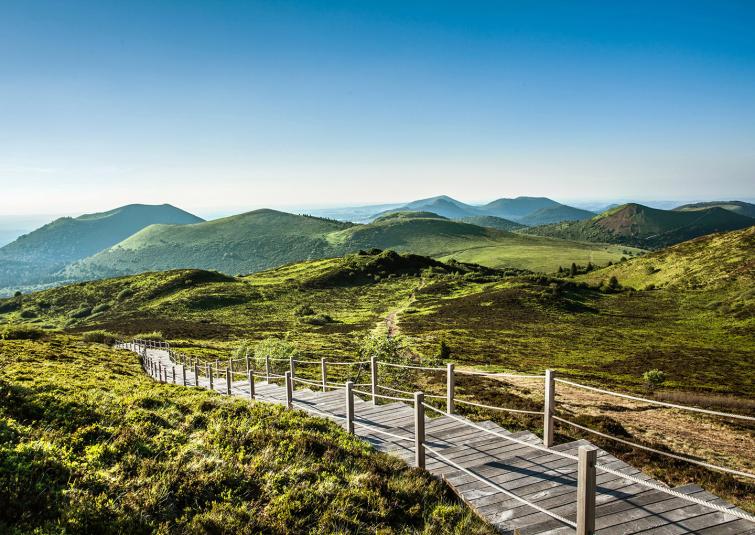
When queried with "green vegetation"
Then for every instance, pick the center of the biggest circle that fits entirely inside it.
(90, 444)
(739, 207)
(37, 256)
(649, 228)
(555, 214)
(491, 221)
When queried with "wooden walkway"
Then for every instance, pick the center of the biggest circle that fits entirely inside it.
(547, 480)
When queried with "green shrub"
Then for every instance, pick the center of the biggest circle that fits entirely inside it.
(102, 307)
(653, 379)
(99, 337)
(318, 319)
(22, 332)
(124, 294)
(154, 335)
(81, 312)
(444, 351)
(304, 310)
(28, 313)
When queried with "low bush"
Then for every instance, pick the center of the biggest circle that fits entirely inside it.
(304, 310)
(81, 312)
(154, 335)
(28, 313)
(124, 294)
(317, 319)
(100, 337)
(102, 307)
(22, 332)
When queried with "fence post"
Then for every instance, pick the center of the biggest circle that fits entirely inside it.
(292, 366)
(586, 490)
(374, 378)
(349, 407)
(173, 373)
(228, 381)
(324, 374)
(549, 409)
(267, 368)
(248, 366)
(183, 373)
(210, 373)
(250, 376)
(419, 429)
(196, 374)
(450, 387)
(289, 390)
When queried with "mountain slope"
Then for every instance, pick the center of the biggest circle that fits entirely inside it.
(492, 222)
(555, 214)
(49, 248)
(441, 205)
(739, 207)
(517, 208)
(641, 226)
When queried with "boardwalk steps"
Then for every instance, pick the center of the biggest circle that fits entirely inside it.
(545, 479)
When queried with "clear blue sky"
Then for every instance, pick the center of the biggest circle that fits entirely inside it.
(222, 104)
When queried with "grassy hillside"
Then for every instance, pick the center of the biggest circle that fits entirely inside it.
(641, 226)
(442, 205)
(517, 208)
(266, 238)
(555, 214)
(48, 249)
(492, 222)
(739, 207)
(89, 444)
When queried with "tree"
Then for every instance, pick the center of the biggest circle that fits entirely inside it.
(653, 379)
(613, 282)
(573, 270)
(444, 351)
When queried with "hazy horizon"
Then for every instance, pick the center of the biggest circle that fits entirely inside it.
(221, 107)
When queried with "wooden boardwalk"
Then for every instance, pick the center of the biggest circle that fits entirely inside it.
(547, 480)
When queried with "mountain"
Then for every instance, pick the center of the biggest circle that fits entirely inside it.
(492, 222)
(54, 245)
(516, 209)
(650, 228)
(739, 207)
(442, 205)
(555, 214)
(267, 238)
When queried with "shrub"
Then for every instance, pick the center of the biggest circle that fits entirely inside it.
(102, 307)
(154, 335)
(653, 379)
(613, 283)
(318, 319)
(573, 269)
(382, 346)
(99, 337)
(124, 294)
(81, 312)
(28, 313)
(17, 293)
(304, 310)
(22, 332)
(444, 351)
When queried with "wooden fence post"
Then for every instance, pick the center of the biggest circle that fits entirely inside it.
(586, 490)
(228, 380)
(289, 390)
(549, 409)
(248, 366)
(419, 429)
(292, 366)
(450, 387)
(173, 373)
(349, 407)
(196, 374)
(324, 373)
(183, 373)
(374, 378)
(250, 376)
(209, 374)
(267, 368)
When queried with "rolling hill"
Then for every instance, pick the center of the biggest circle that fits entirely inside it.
(555, 214)
(492, 222)
(739, 207)
(442, 205)
(49, 248)
(650, 228)
(266, 238)
(518, 208)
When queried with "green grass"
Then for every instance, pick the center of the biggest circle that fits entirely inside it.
(89, 444)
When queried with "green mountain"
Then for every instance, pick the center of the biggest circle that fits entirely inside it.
(555, 214)
(739, 207)
(442, 205)
(516, 209)
(492, 221)
(36, 256)
(266, 238)
(650, 228)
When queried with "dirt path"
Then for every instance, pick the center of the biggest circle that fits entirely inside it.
(391, 320)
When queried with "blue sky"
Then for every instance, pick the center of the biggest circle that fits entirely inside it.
(234, 105)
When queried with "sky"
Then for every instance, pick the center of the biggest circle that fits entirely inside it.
(232, 105)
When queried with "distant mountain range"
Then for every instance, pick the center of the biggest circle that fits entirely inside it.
(528, 211)
(648, 228)
(137, 238)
